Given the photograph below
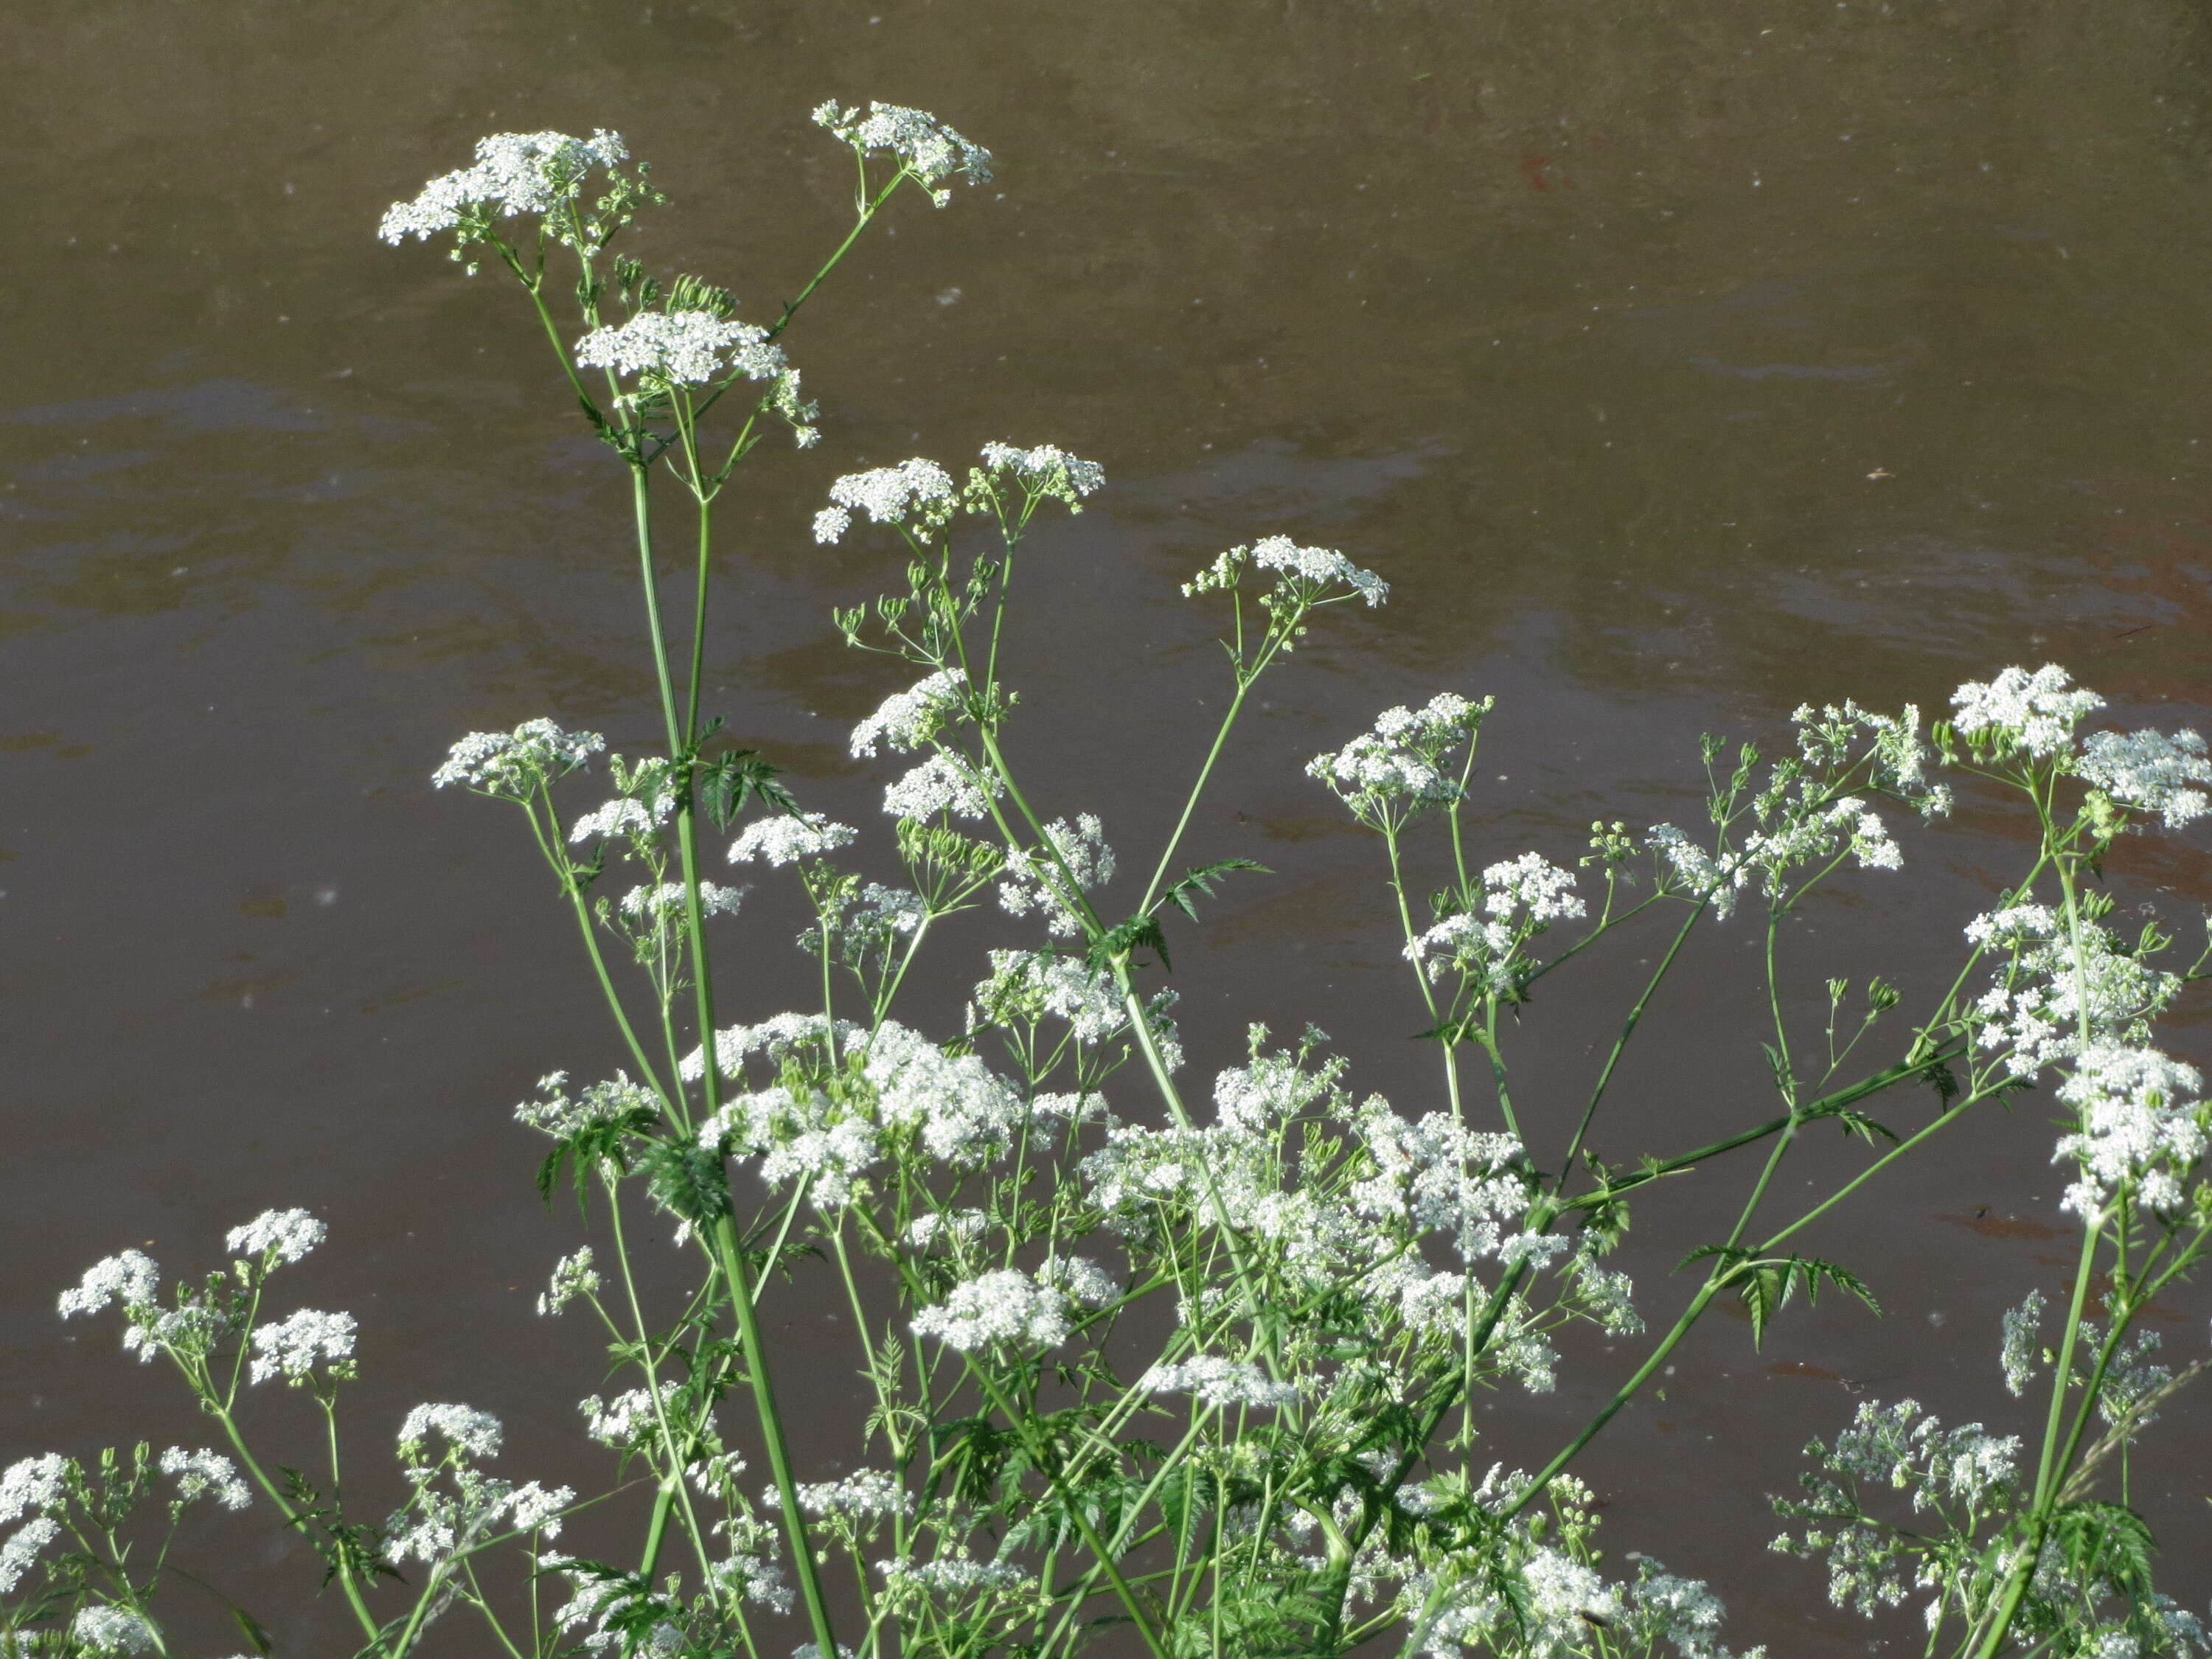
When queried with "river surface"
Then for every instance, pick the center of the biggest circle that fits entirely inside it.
(1676, 364)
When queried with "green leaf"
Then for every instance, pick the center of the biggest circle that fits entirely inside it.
(1202, 881)
(1137, 933)
(735, 778)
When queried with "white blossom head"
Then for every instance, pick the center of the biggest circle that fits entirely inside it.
(1047, 472)
(573, 1276)
(513, 765)
(514, 173)
(789, 837)
(292, 1348)
(131, 1278)
(467, 1432)
(1401, 765)
(2137, 1125)
(907, 719)
(917, 495)
(203, 1473)
(2036, 713)
(2150, 773)
(278, 1236)
(681, 348)
(943, 784)
(1002, 1308)
(104, 1628)
(927, 150)
(1305, 576)
(1219, 1384)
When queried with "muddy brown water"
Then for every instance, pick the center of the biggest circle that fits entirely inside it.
(1675, 363)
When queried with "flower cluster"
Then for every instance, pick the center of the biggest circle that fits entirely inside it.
(206, 1472)
(2137, 1126)
(1039, 881)
(558, 1113)
(1006, 1306)
(909, 718)
(466, 1431)
(926, 149)
(790, 838)
(2150, 772)
(2035, 712)
(1398, 767)
(1029, 985)
(1222, 1384)
(866, 1494)
(942, 783)
(292, 1347)
(2055, 979)
(514, 765)
(917, 495)
(683, 348)
(1522, 897)
(36, 1488)
(1304, 574)
(1897, 761)
(513, 173)
(1045, 472)
(283, 1236)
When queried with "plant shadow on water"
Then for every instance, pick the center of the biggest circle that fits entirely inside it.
(1672, 372)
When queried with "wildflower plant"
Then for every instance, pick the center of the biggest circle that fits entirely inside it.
(1159, 1365)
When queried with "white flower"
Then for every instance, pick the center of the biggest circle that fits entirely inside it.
(916, 494)
(32, 1485)
(1306, 571)
(963, 1226)
(1399, 764)
(619, 816)
(22, 1548)
(618, 1422)
(943, 784)
(1532, 885)
(865, 1494)
(773, 1037)
(514, 173)
(2150, 772)
(654, 905)
(2023, 1343)
(2036, 1009)
(924, 146)
(556, 1114)
(106, 1629)
(963, 1111)
(199, 1473)
(682, 348)
(1047, 469)
(786, 839)
(291, 1234)
(573, 1276)
(1219, 1382)
(1028, 985)
(909, 718)
(952, 1576)
(1702, 874)
(1036, 881)
(131, 1278)
(292, 1347)
(2135, 1125)
(2035, 711)
(469, 1431)
(1003, 1306)
(513, 764)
